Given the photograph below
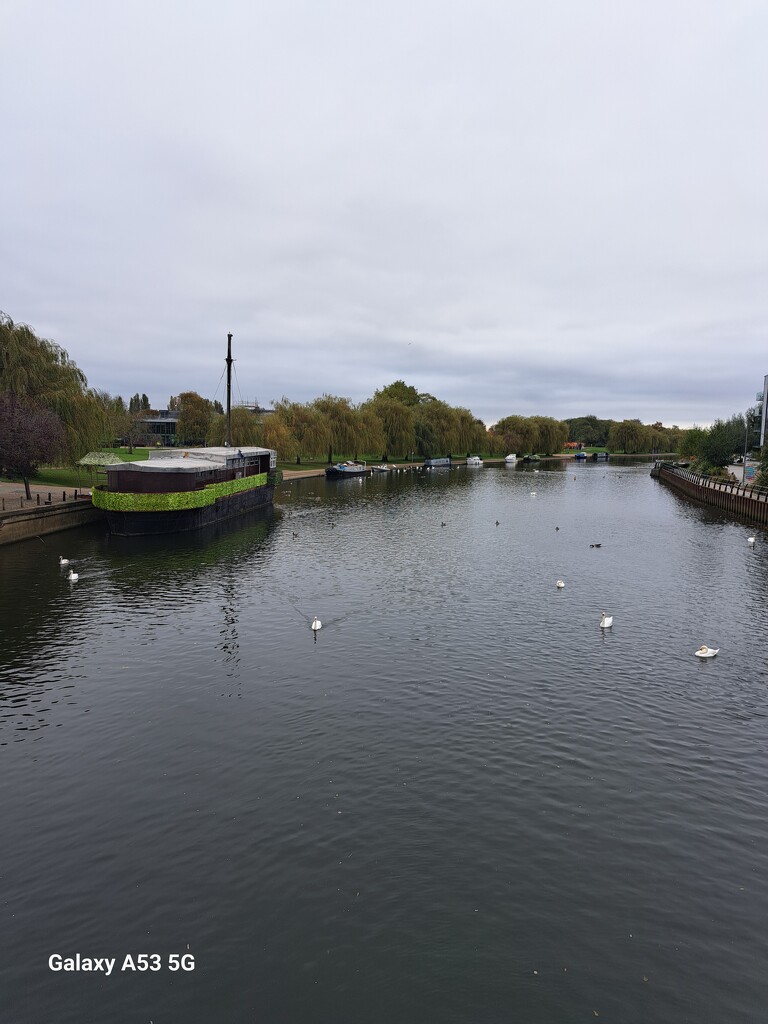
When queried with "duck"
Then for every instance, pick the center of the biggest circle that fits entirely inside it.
(73, 576)
(606, 621)
(63, 561)
(706, 652)
(560, 584)
(316, 624)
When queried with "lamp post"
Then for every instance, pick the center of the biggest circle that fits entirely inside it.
(748, 420)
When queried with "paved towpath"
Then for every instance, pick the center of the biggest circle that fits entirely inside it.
(13, 495)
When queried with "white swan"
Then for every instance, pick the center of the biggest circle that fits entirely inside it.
(63, 561)
(316, 624)
(606, 621)
(706, 652)
(750, 540)
(73, 576)
(560, 584)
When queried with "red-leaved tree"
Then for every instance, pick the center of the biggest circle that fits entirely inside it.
(30, 435)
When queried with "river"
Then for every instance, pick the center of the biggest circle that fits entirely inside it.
(458, 801)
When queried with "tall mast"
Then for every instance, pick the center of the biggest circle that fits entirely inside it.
(228, 435)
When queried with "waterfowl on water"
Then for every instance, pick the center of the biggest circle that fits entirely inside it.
(750, 540)
(316, 624)
(73, 576)
(706, 652)
(63, 561)
(606, 621)
(560, 584)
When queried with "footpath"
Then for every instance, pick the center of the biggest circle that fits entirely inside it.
(13, 496)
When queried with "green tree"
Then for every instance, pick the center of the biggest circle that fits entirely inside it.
(246, 428)
(397, 424)
(195, 414)
(296, 430)
(436, 429)
(515, 434)
(762, 474)
(116, 417)
(41, 372)
(589, 430)
(626, 436)
(552, 434)
(345, 434)
(723, 440)
(399, 391)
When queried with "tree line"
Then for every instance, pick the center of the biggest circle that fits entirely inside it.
(49, 414)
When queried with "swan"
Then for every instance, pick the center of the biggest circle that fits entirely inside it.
(560, 584)
(750, 540)
(706, 652)
(316, 624)
(73, 576)
(606, 621)
(63, 561)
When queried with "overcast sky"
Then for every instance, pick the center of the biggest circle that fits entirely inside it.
(553, 207)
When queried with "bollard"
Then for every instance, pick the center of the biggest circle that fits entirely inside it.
(38, 497)
(3, 504)
(63, 495)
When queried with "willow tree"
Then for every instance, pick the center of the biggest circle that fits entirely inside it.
(552, 434)
(626, 436)
(345, 435)
(296, 430)
(246, 428)
(516, 434)
(470, 432)
(436, 428)
(39, 371)
(397, 424)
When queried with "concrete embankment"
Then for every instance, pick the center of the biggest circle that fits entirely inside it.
(729, 495)
(47, 511)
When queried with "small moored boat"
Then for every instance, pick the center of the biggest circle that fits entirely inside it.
(474, 460)
(345, 469)
(510, 459)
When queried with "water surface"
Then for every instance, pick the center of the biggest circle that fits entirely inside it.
(459, 801)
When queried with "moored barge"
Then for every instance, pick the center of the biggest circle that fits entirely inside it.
(178, 490)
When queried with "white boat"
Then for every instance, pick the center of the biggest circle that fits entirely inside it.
(474, 460)
(383, 468)
(344, 469)
(510, 459)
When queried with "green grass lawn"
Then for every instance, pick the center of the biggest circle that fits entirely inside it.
(81, 476)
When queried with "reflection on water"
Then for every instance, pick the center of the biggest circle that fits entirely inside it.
(460, 800)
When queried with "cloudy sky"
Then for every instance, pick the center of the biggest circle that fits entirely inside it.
(552, 207)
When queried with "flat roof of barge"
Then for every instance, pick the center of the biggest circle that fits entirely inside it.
(188, 459)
